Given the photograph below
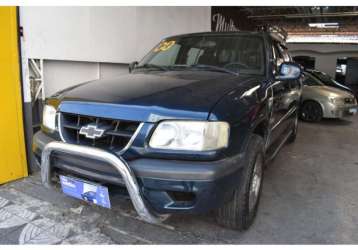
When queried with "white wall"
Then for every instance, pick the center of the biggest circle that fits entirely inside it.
(326, 54)
(85, 43)
(62, 74)
(112, 69)
(105, 34)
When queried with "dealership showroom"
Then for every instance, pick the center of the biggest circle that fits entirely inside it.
(179, 125)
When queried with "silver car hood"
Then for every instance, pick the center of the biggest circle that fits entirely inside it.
(326, 91)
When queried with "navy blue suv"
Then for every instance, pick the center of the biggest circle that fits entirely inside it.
(188, 130)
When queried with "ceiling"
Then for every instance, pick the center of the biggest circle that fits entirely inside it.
(296, 19)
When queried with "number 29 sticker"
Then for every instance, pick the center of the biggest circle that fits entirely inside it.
(165, 45)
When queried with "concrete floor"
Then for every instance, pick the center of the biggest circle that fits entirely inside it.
(310, 196)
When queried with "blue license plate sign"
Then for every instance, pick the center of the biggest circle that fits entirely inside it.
(87, 191)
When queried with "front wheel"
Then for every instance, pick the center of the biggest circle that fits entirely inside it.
(240, 212)
(311, 111)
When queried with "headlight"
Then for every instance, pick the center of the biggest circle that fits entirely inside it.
(190, 135)
(49, 117)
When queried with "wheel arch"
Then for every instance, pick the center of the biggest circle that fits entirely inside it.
(316, 101)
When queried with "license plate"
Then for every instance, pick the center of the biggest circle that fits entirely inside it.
(353, 110)
(84, 190)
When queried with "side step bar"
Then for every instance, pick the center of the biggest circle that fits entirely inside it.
(98, 154)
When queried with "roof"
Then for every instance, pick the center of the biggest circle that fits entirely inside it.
(233, 33)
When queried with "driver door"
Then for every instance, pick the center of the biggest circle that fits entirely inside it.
(281, 101)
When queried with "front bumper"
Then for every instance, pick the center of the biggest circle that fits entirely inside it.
(333, 111)
(121, 167)
(167, 186)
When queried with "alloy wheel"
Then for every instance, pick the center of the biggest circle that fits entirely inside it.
(311, 112)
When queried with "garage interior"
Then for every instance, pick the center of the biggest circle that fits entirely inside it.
(310, 189)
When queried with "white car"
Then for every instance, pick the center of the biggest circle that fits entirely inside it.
(321, 101)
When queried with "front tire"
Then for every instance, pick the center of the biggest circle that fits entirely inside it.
(240, 212)
(311, 111)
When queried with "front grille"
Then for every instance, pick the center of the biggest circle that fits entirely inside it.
(349, 100)
(116, 136)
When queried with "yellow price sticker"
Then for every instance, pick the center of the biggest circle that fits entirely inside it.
(165, 45)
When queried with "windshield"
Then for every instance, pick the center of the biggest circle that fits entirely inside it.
(238, 54)
(310, 80)
(326, 79)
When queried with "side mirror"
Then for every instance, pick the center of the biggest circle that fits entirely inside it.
(289, 71)
(132, 66)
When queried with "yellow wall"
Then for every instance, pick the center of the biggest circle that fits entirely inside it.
(12, 143)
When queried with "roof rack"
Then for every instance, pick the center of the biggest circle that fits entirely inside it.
(276, 32)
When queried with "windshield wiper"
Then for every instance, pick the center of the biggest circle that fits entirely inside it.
(149, 65)
(213, 68)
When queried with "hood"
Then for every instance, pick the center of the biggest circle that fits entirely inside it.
(317, 92)
(333, 92)
(149, 96)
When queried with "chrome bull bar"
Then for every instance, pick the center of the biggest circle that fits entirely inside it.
(98, 154)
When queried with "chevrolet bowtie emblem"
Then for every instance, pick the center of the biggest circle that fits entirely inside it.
(91, 131)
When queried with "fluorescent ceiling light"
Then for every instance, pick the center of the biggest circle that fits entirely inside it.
(353, 39)
(324, 25)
